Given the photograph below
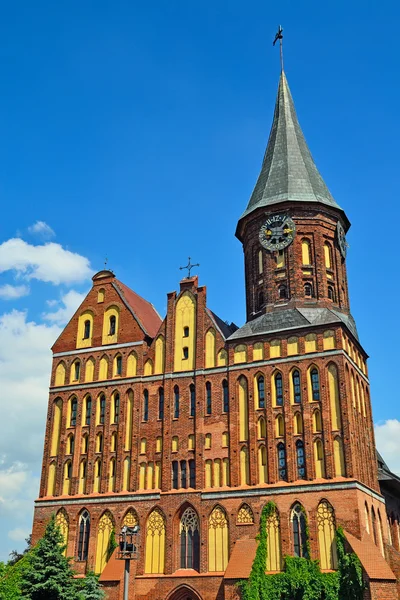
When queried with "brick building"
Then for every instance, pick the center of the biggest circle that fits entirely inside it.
(188, 426)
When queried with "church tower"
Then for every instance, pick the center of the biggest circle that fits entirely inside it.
(187, 426)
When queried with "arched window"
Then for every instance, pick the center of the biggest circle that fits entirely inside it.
(297, 424)
(210, 349)
(118, 366)
(279, 426)
(128, 420)
(155, 543)
(112, 325)
(190, 540)
(159, 358)
(192, 473)
(99, 442)
(63, 524)
(299, 525)
(306, 252)
(51, 479)
(67, 478)
(308, 290)
(55, 436)
(314, 375)
(243, 410)
(278, 389)
(260, 262)
(310, 342)
(115, 408)
(175, 443)
(175, 474)
(317, 422)
(76, 370)
(82, 477)
(176, 402)
(300, 459)
(185, 353)
(208, 398)
(380, 533)
(319, 459)
(126, 474)
(143, 446)
(207, 441)
(296, 386)
(366, 515)
(84, 535)
(245, 515)
(340, 470)
(74, 410)
(292, 346)
(103, 368)
(282, 469)
(192, 400)
(240, 354)
(88, 410)
(262, 465)
(85, 443)
(244, 466)
(145, 415)
(282, 292)
(326, 536)
(131, 365)
(114, 441)
(328, 255)
(208, 473)
(275, 349)
(329, 340)
(160, 403)
(70, 444)
(97, 476)
(100, 295)
(280, 259)
(331, 293)
(261, 428)
(225, 394)
(261, 391)
(60, 374)
(183, 474)
(101, 410)
(274, 552)
(218, 540)
(86, 330)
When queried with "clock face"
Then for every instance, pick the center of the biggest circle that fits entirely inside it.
(341, 236)
(277, 232)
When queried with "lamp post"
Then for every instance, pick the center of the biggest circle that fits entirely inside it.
(128, 550)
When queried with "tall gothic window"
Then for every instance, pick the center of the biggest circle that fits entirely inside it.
(308, 290)
(102, 409)
(192, 400)
(278, 389)
(74, 409)
(218, 540)
(296, 387)
(183, 474)
(326, 535)
(86, 330)
(116, 408)
(175, 474)
(161, 403)
(300, 459)
(282, 468)
(84, 535)
(192, 474)
(155, 543)
(190, 540)
(225, 392)
(88, 410)
(176, 402)
(282, 292)
(315, 384)
(145, 405)
(113, 323)
(299, 532)
(261, 391)
(208, 398)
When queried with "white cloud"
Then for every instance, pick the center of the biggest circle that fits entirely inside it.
(70, 302)
(387, 437)
(11, 292)
(41, 229)
(25, 363)
(49, 262)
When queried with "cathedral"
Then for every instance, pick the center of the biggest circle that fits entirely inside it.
(188, 425)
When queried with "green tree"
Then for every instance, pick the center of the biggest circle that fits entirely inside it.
(48, 575)
(89, 588)
(10, 579)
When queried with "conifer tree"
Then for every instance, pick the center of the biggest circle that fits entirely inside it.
(89, 588)
(49, 575)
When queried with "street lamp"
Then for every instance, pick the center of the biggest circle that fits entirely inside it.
(128, 550)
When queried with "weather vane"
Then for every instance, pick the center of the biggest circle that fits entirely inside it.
(105, 262)
(189, 267)
(279, 36)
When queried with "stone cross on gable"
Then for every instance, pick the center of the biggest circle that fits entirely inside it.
(189, 267)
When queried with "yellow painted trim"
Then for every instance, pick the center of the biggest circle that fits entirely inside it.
(55, 436)
(81, 341)
(243, 410)
(159, 355)
(185, 317)
(60, 374)
(112, 311)
(131, 365)
(210, 348)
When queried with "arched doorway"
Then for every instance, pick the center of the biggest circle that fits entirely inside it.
(184, 592)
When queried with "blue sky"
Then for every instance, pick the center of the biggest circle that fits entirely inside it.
(136, 131)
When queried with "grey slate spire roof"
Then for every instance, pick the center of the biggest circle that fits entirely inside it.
(288, 172)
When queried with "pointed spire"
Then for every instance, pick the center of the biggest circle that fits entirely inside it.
(288, 172)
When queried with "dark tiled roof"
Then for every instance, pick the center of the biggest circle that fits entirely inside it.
(288, 171)
(145, 313)
(293, 318)
(225, 328)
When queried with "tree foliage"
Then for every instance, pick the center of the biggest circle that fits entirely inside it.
(44, 573)
(302, 578)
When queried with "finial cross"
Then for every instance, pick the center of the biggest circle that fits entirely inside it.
(279, 36)
(105, 262)
(189, 267)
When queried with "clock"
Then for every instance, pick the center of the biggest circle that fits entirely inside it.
(341, 237)
(277, 232)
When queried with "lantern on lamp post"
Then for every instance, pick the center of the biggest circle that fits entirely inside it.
(128, 550)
